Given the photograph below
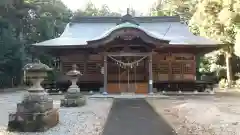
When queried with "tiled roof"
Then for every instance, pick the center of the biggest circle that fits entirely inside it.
(84, 29)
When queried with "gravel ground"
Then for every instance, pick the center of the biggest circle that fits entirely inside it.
(200, 115)
(87, 120)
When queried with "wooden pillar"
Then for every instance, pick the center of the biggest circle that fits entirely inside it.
(105, 75)
(150, 81)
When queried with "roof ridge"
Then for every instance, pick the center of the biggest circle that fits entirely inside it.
(116, 19)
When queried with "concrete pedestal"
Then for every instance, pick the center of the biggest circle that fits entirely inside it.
(34, 115)
(73, 100)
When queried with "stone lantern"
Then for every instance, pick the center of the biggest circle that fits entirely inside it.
(35, 113)
(73, 97)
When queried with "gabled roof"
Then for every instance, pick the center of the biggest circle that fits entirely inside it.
(84, 29)
(127, 25)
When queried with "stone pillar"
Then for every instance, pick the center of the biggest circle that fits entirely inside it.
(73, 98)
(35, 113)
(150, 83)
(105, 75)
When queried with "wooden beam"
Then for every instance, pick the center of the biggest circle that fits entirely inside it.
(128, 54)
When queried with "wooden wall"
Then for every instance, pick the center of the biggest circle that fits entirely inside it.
(166, 67)
(89, 65)
(174, 67)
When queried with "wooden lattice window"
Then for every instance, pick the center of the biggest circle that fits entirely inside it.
(163, 68)
(176, 68)
(155, 68)
(92, 68)
(160, 57)
(187, 68)
(179, 56)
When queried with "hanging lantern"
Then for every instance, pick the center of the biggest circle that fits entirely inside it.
(102, 70)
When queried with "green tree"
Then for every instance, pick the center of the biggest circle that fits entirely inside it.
(216, 19)
(14, 18)
(49, 20)
(23, 22)
(184, 8)
(91, 10)
(237, 43)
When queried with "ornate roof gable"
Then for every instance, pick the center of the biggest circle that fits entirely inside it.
(128, 18)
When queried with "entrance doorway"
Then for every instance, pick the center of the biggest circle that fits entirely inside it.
(128, 80)
(126, 73)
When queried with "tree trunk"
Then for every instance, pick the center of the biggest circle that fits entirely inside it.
(229, 69)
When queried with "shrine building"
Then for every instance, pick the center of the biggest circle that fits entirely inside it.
(130, 54)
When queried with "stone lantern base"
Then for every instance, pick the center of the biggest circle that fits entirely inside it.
(73, 100)
(34, 114)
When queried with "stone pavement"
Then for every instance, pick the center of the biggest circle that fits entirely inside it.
(128, 96)
(135, 117)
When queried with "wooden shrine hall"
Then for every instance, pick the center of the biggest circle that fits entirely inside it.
(129, 54)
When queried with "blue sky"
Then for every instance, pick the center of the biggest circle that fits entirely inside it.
(141, 6)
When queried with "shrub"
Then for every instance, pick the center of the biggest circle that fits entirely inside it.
(223, 83)
(238, 83)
